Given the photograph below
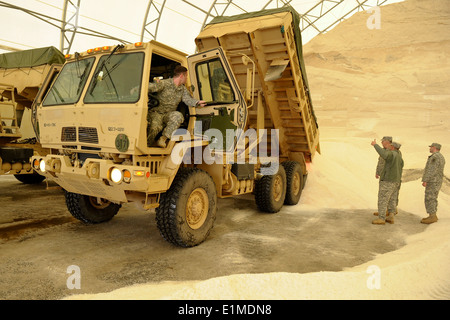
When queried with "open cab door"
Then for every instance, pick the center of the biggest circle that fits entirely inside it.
(224, 118)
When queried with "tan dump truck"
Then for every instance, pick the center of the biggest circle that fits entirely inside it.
(22, 74)
(258, 115)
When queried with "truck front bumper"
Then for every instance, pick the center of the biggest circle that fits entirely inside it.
(99, 177)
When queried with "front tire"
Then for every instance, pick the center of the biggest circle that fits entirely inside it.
(90, 210)
(187, 211)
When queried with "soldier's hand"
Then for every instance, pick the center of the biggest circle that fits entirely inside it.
(201, 103)
(424, 184)
(374, 142)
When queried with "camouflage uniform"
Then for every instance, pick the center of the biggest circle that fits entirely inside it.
(165, 117)
(433, 176)
(390, 179)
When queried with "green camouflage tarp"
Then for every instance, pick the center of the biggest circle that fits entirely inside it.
(31, 58)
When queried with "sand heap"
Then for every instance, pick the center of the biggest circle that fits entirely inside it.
(365, 83)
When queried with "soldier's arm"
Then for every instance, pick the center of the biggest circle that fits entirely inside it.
(155, 86)
(430, 169)
(380, 166)
(188, 99)
(385, 154)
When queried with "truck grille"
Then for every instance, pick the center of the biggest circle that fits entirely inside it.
(88, 135)
(85, 134)
(69, 134)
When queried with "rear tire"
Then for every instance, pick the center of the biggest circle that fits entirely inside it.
(270, 191)
(187, 211)
(90, 210)
(294, 182)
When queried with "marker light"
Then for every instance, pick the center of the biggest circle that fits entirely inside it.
(116, 175)
(36, 164)
(139, 173)
(138, 44)
(126, 176)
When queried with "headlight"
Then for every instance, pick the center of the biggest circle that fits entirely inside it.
(42, 165)
(116, 175)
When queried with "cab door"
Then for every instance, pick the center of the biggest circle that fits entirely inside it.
(225, 114)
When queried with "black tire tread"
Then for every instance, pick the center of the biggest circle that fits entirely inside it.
(167, 213)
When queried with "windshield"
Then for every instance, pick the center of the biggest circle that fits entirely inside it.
(117, 78)
(214, 85)
(70, 83)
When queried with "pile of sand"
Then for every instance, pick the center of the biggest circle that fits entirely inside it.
(365, 84)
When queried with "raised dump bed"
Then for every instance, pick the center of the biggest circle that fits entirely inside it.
(271, 38)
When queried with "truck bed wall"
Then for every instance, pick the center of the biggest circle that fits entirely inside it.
(270, 42)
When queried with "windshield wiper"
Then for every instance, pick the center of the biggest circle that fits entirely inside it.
(103, 65)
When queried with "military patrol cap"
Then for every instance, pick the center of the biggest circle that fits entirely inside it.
(387, 138)
(396, 145)
(437, 145)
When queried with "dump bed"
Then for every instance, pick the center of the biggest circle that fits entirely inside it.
(21, 75)
(271, 38)
(26, 70)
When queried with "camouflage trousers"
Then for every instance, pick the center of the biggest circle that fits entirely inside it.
(431, 196)
(387, 197)
(165, 122)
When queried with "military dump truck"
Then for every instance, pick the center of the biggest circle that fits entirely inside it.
(21, 75)
(249, 69)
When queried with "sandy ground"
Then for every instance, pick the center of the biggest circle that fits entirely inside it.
(39, 240)
(365, 84)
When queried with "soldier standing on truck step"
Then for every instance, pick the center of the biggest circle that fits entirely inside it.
(432, 181)
(165, 117)
(390, 179)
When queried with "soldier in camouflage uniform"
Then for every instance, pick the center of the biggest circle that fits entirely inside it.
(390, 179)
(385, 142)
(432, 181)
(165, 117)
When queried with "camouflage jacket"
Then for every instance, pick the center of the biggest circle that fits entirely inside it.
(393, 166)
(434, 169)
(169, 95)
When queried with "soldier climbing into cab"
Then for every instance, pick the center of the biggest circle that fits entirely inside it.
(165, 117)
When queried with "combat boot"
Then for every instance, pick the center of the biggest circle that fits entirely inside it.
(390, 218)
(161, 142)
(378, 221)
(430, 219)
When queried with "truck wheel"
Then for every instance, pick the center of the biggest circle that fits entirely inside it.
(33, 178)
(187, 211)
(270, 191)
(90, 209)
(294, 182)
